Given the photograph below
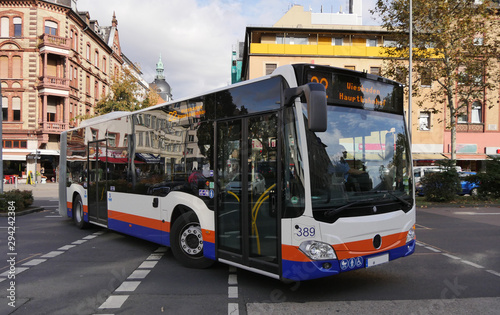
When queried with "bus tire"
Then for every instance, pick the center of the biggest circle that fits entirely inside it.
(78, 212)
(186, 242)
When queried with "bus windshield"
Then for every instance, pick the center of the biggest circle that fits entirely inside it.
(360, 165)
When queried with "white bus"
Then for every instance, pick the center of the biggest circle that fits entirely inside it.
(302, 174)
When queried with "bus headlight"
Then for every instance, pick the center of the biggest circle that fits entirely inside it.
(317, 250)
(411, 235)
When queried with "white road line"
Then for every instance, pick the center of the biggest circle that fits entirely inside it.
(451, 256)
(34, 262)
(472, 264)
(433, 249)
(128, 286)
(139, 274)
(148, 264)
(52, 254)
(89, 237)
(494, 272)
(79, 242)
(232, 309)
(66, 247)
(155, 257)
(114, 301)
(476, 213)
(233, 279)
(232, 292)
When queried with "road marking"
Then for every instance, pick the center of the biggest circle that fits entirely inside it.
(138, 274)
(232, 292)
(79, 242)
(34, 262)
(66, 247)
(433, 249)
(114, 301)
(148, 264)
(451, 256)
(493, 272)
(128, 286)
(472, 264)
(52, 254)
(89, 237)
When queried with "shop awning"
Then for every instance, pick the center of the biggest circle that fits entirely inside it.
(470, 156)
(428, 156)
(148, 158)
(117, 160)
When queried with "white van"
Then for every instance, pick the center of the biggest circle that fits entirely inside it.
(420, 171)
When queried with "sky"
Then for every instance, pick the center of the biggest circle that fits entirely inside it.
(194, 37)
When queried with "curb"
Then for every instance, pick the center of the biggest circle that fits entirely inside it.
(24, 212)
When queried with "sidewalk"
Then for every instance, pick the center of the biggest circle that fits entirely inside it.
(40, 190)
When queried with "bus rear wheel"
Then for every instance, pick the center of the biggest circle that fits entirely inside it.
(78, 212)
(186, 241)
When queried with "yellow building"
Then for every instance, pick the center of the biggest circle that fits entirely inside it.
(55, 64)
(304, 37)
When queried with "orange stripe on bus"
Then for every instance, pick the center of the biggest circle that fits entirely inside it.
(365, 247)
(349, 250)
(293, 253)
(85, 209)
(138, 220)
(208, 236)
(69, 205)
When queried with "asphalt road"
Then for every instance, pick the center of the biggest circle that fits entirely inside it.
(63, 270)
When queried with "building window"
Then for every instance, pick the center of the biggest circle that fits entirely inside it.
(350, 67)
(371, 42)
(9, 144)
(104, 63)
(88, 52)
(74, 40)
(476, 113)
(424, 121)
(96, 58)
(5, 27)
(462, 116)
(51, 112)
(16, 109)
(5, 108)
(375, 70)
(18, 27)
(425, 78)
(270, 67)
(95, 134)
(112, 140)
(390, 43)
(292, 40)
(50, 28)
(337, 41)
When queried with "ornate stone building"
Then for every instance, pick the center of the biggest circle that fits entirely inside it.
(55, 64)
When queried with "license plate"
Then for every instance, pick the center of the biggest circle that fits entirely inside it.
(377, 260)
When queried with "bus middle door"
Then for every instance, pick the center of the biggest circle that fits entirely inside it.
(97, 182)
(247, 219)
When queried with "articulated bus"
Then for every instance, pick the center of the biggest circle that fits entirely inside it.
(298, 175)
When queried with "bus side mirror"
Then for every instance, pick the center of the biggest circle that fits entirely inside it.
(316, 104)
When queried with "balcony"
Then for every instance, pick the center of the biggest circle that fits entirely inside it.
(53, 127)
(54, 82)
(47, 40)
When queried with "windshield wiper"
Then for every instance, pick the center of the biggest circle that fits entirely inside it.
(408, 204)
(334, 212)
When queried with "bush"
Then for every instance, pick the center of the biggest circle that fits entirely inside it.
(442, 186)
(489, 182)
(21, 199)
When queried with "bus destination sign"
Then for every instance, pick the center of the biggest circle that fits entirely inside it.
(359, 92)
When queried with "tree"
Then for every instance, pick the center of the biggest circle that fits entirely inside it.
(455, 48)
(125, 93)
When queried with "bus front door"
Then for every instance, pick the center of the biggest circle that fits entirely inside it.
(247, 219)
(97, 182)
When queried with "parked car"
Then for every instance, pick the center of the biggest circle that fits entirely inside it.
(256, 183)
(468, 187)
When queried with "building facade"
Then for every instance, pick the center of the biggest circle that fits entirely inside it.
(55, 65)
(316, 38)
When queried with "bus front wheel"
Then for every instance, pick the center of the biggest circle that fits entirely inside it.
(186, 241)
(78, 212)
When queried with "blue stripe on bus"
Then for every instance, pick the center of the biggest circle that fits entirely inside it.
(299, 270)
(149, 234)
(152, 235)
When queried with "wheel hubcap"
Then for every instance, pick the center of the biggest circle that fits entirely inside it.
(192, 240)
